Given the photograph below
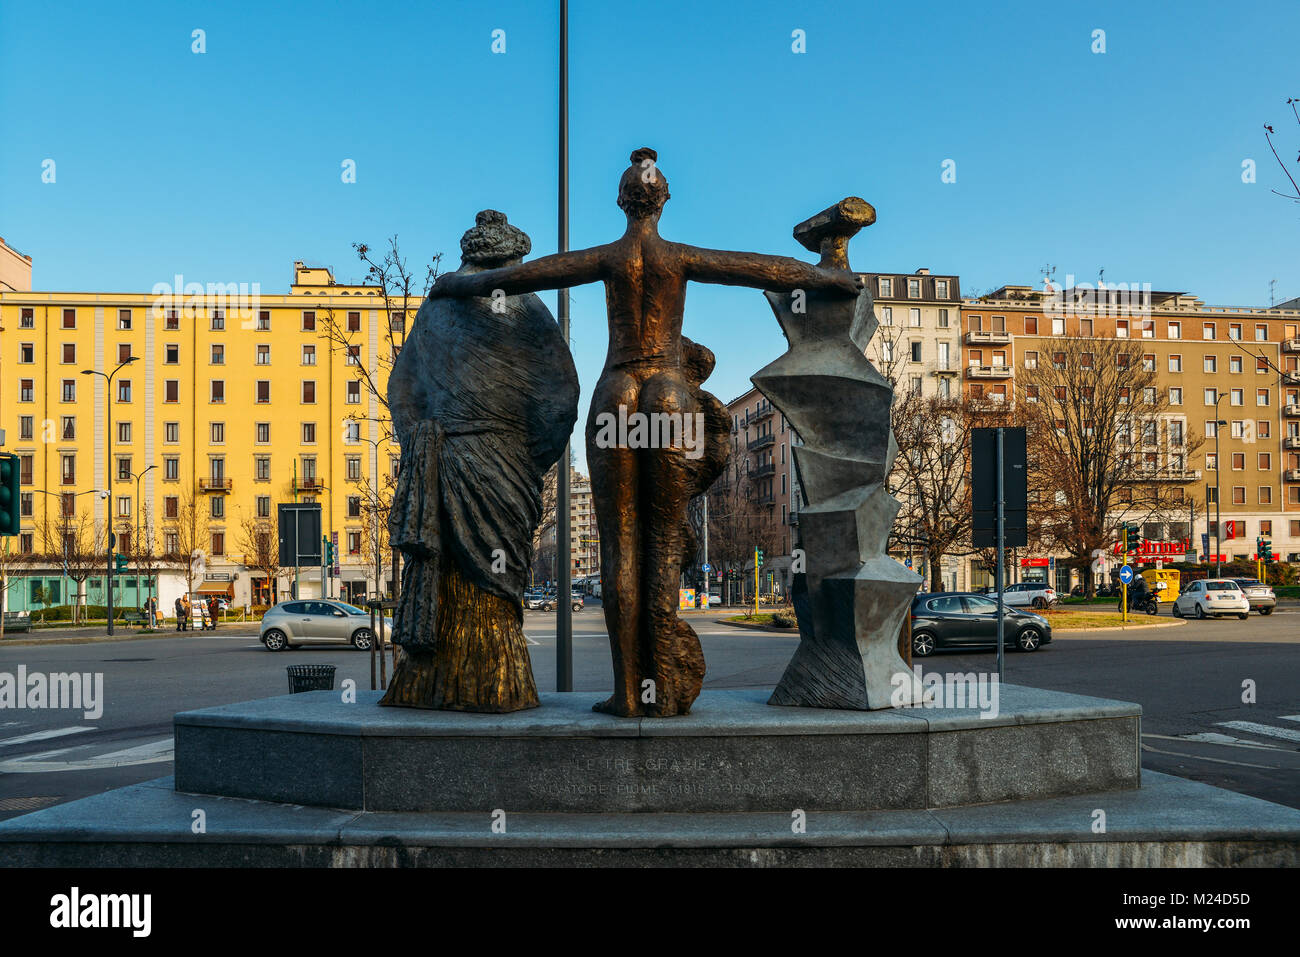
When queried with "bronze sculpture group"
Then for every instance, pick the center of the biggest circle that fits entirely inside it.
(464, 520)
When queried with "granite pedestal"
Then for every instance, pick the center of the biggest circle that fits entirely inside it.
(308, 780)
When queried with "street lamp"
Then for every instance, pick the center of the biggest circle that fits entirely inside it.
(108, 476)
(135, 532)
(1218, 471)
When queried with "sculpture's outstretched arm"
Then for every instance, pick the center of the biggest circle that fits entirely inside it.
(558, 271)
(772, 273)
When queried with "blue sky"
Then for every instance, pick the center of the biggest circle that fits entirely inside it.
(225, 166)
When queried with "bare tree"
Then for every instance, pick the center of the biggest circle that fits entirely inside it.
(738, 522)
(1104, 441)
(68, 537)
(931, 474)
(261, 552)
(1294, 195)
(192, 538)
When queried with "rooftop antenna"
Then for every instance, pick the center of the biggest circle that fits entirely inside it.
(1272, 293)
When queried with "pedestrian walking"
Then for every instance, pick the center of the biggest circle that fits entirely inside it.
(180, 615)
(187, 611)
(214, 607)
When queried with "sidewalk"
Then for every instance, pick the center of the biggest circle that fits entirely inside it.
(93, 633)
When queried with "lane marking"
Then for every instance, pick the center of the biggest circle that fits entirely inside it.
(1286, 734)
(151, 752)
(1226, 740)
(1288, 717)
(43, 735)
(1197, 757)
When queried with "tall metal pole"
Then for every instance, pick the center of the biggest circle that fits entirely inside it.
(1001, 555)
(1218, 495)
(563, 611)
(108, 484)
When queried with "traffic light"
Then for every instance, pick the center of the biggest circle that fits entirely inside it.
(1265, 550)
(119, 564)
(758, 558)
(1131, 538)
(10, 523)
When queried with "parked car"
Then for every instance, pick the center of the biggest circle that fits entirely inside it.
(1212, 598)
(317, 621)
(1259, 595)
(1025, 594)
(535, 600)
(969, 621)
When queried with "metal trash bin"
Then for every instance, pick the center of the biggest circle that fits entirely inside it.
(310, 678)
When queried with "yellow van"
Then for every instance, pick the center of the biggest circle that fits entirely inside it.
(1162, 582)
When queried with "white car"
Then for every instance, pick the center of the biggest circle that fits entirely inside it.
(1026, 594)
(1212, 598)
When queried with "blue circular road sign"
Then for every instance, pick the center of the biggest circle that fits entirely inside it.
(1126, 574)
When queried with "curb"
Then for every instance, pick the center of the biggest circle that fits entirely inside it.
(792, 630)
(95, 639)
(1121, 628)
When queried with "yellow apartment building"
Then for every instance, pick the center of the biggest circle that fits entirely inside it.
(224, 402)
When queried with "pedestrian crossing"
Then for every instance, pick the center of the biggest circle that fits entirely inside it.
(1267, 730)
(91, 756)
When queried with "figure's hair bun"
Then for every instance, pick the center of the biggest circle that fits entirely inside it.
(644, 153)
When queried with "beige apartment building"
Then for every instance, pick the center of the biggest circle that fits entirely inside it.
(1237, 364)
(918, 342)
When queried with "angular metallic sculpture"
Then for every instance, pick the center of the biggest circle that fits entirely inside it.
(644, 467)
(852, 598)
(483, 397)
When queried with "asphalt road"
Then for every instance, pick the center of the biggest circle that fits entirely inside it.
(1188, 678)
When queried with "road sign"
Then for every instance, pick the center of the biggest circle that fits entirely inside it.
(984, 480)
(706, 568)
(1205, 541)
(1126, 574)
(908, 562)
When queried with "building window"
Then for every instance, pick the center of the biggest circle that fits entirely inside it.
(171, 469)
(354, 355)
(309, 321)
(69, 390)
(124, 510)
(914, 289)
(262, 468)
(218, 543)
(1261, 397)
(26, 390)
(916, 352)
(1238, 461)
(172, 355)
(263, 391)
(914, 317)
(1175, 330)
(353, 396)
(1058, 326)
(1234, 365)
(218, 390)
(354, 543)
(1237, 397)
(354, 322)
(1175, 396)
(1261, 366)
(941, 289)
(172, 321)
(943, 318)
(1265, 495)
(171, 390)
(309, 391)
(351, 431)
(354, 468)
(886, 316)
(124, 433)
(397, 322)
(218, 504)
(69, 318)
(1175, 363)
(264, 321)
(218, 430)
(263, 432)
(124, 319)
(1261, 332)
(218, 320)
(263, 506)
(27, 319)
(69, 469)
(309, 355)
(218, 354)
(1265, 461)
(1207, 330)
(354, 506)
(309, 433)
(886, 287)
(263, 355)
(171, 506)
(25, 463)
(124, 390)
(25, 426)
(171, 432)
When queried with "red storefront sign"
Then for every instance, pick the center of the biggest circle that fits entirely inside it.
(1033, 562)
(1148, 548)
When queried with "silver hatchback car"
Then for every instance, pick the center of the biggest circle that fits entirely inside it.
(316, 620)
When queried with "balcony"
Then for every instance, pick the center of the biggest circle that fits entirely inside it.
(765, 411)
(1291, 345)
(1291, 378)
(792, 518)
(1291, 475)
(1291, 442)
(762, 471)
(1168, 475)
(987, 338)
(214, 485)
(988, 372)
(940, 369)
(762, 442)
(312, 484)
(769, 498)
(1292, 410)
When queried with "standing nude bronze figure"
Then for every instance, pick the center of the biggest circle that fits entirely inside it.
(641, 490)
